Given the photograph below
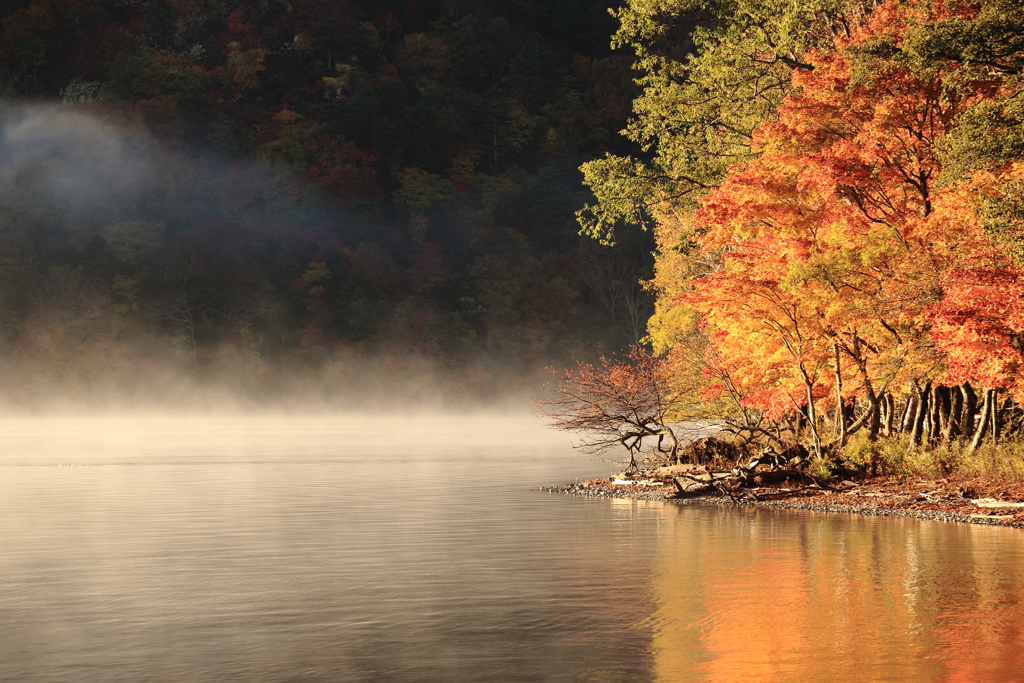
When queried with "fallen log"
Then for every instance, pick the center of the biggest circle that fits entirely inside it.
(693, 484)
(690, 490)
(782, 493)
(773, 477)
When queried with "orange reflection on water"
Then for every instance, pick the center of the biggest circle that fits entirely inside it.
(758, 595)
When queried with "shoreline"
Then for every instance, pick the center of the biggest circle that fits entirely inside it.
(968, 503)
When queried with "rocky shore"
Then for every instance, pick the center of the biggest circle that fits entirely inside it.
(965, 501)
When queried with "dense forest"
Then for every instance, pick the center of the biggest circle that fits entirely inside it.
(313, 195)
(835, 187)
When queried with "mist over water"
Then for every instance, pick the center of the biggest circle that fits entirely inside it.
(133, 274)
(71, 158)
(419, 548)
(274, 503)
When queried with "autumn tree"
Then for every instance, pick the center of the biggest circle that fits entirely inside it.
(622, 401)
(711, 72)
(831, 256)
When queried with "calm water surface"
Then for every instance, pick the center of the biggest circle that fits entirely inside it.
(308, 550)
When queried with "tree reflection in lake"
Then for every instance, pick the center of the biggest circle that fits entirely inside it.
(301, 549)
(760, 595)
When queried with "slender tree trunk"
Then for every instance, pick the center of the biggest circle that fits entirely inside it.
(909, 412)
(666, 432)
(956, 408)
(939, 412)
(983, 421)
(840, 411)
(885, 415)
(875, 421)
(996, 412)
(890, 426)
(812, 413)
(934, 413)
(926, 424)
(872, 416)
(969, 409)
(921, 414)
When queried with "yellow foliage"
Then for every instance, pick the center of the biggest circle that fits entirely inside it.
(670, 325)
(316, 273)
(675, 268)
(287, 116)
(244, 66)
(420, 190)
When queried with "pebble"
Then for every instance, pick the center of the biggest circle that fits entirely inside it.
(658, 494)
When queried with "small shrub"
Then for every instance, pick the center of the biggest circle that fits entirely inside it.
(822, 470)
(862, 453)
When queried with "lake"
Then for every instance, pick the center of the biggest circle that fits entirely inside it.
(324, 548)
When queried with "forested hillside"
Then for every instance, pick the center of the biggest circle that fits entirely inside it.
(257, 193)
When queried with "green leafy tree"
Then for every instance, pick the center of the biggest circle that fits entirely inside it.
(711, 72)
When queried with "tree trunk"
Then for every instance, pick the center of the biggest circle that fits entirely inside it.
(812, 413)
(996, 412)
(926, 424)
(983, 421)
(940, 411)
(873, 414)
(870, 418)
(909, 413)
(883, 414)
(970, 408)
(921, 414)
(666, 432)
(955, 419)
(934, 426)
(800, 421)
(840, 410)
(890, 413)
(941, 396)
(875, 421)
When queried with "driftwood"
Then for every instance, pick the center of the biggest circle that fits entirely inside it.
(775, 476)
(693, 485)
(760, 495)
(697, 483)
(770, 468)
(710, 450)
(690, 491)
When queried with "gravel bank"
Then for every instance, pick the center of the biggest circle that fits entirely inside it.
(887, 498)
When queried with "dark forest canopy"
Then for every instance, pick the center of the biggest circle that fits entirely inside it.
(277, 183)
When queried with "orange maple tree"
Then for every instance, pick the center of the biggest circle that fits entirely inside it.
(620, 401)
(836, 242)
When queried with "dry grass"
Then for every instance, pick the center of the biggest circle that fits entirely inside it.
(897, 456)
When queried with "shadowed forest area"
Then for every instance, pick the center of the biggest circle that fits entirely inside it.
(286, 197)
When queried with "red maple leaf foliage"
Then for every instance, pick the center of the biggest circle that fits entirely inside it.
(979, 323)
(835, 241)
(618, 401)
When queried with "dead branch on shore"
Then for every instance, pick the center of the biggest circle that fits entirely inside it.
(769, 468)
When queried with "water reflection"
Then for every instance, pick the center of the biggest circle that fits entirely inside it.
(759, 595)
(312, 550)
(301, 550)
